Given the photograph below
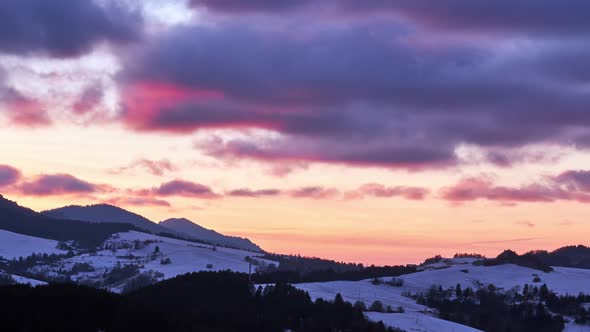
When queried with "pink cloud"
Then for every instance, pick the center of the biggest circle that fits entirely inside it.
(155, 167)
(138, 201)
(379, 190)
(8, 175)
(314, 193)
(58, 184)
(244, 192)
(185, 189)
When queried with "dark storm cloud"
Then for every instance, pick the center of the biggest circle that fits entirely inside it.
(502, 16)
(361, 94)
(253, 6)
(64, 28)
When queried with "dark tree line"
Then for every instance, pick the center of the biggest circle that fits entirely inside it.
(298, 269)
(207, 301)
(489, 309)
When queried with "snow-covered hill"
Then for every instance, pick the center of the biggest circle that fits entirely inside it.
(185, 226)
(159, 257)
(13, 245)
(446, 274)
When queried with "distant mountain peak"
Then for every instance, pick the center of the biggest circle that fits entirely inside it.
(177, 220)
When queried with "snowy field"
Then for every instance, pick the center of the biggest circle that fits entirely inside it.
(562, 281)
(14, 245)
(414, 322)
(185, 256)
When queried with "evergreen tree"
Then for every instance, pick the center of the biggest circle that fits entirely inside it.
(544, 292)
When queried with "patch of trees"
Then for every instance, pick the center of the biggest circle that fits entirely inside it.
(298, 269)
(81, 268)
(467, 255)
(570, 256)
(228, 301)
(207, 301)
(526, 260)
(24, 266)
(120, 273)
(6, 279)
(144, 279)
(568, 305)
(490, 309)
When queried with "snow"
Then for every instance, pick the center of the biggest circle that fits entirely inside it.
(191, 257)
(185, 256)
(573, 327)
(414, 322)
(561, 280)
(23, 280)
(15, 245)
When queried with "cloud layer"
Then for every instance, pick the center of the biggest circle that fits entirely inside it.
(377, 93)
(64, 28)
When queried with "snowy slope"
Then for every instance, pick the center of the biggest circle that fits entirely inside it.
(414, 322)
(415, 318)
(562, 281)
(14, 245)
(185, 257)
(191, 257)
(28, 281)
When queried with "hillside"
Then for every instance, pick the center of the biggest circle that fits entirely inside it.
(21, 220)
(124, 260)
(185, 226)
(447, 273)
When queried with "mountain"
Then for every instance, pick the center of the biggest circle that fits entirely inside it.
(17, 219)
(101, 213)
(188, 227)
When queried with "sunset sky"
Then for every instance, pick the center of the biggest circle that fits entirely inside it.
(378, 131)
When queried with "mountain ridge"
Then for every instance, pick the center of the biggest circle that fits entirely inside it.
(192, 229)
(178, 227)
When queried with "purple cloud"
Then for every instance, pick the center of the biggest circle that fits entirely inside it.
(8, 175)
(359, 94)
(64, 28)
(185, 189)
(155, 167)
(315, 192)
(576, 180)
(244, 192)
(58, 184)
(461, 16)
(381, 191)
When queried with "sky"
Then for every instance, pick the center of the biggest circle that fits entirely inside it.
(380, 132)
